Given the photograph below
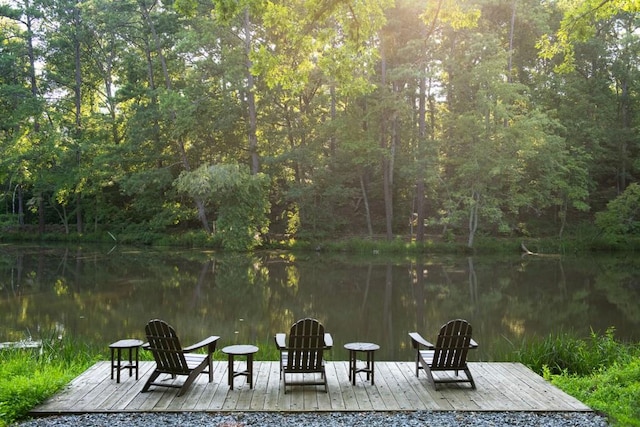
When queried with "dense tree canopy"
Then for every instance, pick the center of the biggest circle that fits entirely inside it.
(368, 117)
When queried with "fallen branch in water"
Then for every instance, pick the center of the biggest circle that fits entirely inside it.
(526, 251)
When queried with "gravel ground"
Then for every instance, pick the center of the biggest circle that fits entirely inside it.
(333, 419)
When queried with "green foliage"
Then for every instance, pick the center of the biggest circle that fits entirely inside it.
(622, 215)
(579, 23)
(240, 200)
(500, 141)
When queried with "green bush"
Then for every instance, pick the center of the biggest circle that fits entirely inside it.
(622, 215)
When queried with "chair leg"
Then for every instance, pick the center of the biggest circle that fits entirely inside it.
(468, 372)
(151, 379)
(431, 377)
(190, 379)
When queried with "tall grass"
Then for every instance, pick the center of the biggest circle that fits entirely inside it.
(600, 371)
(565, 353)
(28, 376)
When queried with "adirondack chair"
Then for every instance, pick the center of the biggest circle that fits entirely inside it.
(172, 359)
(448, 355)
(303, 353)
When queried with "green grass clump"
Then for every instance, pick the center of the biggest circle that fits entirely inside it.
(565, 353)
(599, 371)
(29, 376)
(615, 391)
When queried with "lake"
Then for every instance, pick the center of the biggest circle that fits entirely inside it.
(100, 294)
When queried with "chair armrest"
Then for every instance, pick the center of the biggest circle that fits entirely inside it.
(328, 340)
(210, 343)
(473, 344)
(417, 341)
(281, 341)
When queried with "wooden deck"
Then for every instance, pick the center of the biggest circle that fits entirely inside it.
(500, 387)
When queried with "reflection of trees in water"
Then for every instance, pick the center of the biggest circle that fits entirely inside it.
(247, 298)
(618, 278)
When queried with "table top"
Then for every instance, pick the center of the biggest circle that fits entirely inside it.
(128, 343)
(240, 349)
(361, 346)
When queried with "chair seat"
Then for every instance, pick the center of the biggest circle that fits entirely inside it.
(194, 360)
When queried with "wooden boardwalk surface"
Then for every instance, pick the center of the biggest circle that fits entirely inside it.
(500, 387)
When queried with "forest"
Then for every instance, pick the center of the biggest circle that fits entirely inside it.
(250, 119)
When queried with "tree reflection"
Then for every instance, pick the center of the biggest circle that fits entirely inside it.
(104, 294)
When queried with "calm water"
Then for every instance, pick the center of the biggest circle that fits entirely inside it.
(102, 294)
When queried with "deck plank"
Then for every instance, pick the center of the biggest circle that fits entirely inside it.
(345, 397)
(273, 387)
(500, 387)
(408, 394)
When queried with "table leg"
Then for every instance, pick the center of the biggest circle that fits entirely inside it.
(231, 371)
(250, 369)
(119, 351)
(352, 367)
(112, 354)
(371, 361)
(137, 362)
(130, 362)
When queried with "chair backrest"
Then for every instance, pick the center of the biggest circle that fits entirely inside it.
(452, 345)
(305, 347)
(164, 344)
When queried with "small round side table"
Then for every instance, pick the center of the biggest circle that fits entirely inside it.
(129, 344)
(240, 350)
(369, 349)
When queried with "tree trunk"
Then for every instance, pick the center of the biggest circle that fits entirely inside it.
(41, 222)
(20, 205)
(422, 141)
(36, 122)
(332, 139)
(511, 33)
(363, 188)
(251, 99)
(78, 110)
(386, 159)
(473, 217)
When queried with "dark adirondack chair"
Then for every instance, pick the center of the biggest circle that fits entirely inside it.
(448, 355)
(172, 359)
(303, 352)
